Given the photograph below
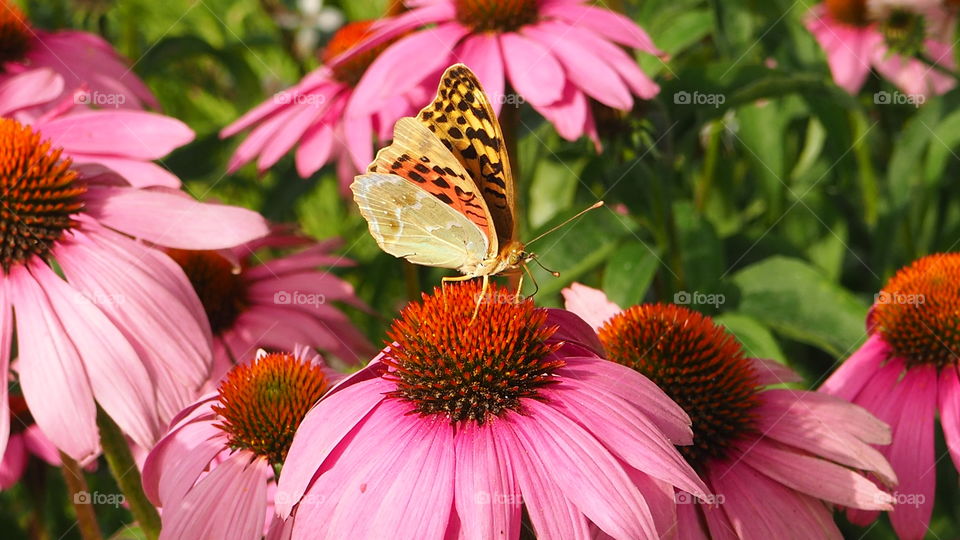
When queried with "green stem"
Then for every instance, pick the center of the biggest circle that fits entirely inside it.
(709, 166)
(127, 475)
(866, 176)
(80, 497)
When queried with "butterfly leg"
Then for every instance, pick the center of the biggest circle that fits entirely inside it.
(481, 297)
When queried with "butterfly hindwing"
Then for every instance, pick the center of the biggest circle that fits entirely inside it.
(463, 120)
(409, 222)
(417, 155)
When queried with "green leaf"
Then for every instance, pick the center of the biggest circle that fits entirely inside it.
(756, 338)
(629, 273)
(799, 302)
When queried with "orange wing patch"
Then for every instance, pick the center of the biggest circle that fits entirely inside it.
(462, 118)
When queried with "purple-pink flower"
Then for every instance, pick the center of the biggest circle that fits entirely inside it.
(851, 34)
(26, 441)
(775, 460)
(126, 141)
(554, 54)
(253, 304)
(465, 424)
(312, 115)
(114, 323)
(906, 373)
(82, 59)
(212, 474)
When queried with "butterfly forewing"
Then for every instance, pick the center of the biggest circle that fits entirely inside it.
(463, 120)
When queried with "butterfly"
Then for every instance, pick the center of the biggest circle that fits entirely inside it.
(442, 193)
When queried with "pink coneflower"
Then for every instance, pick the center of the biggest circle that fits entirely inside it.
(126, 141)
(310, 115)
(116, 324)
(26, 441)
(857, 38)
(463, 424)
(906, 372)
(82, 59)
(253, 304)
(553, 53)
(774, 459)
(212, 472)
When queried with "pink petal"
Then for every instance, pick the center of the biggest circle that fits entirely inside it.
(596, 78)
(50, 366)
(358, 136)
(692, 526)
(173, 219)
(14, 462)
(120, 382)
(314, 150)
(552, 514)
(815, 477)
(487, 498)
(661, 499)
(949, 406)
(592, 305)
(629, 435)
(420, 54)
(573, 331)
(481, 53)
(40, 446)
(608, 378)
(6, 343)
(137, 173)
(758, 507)
(255, 141)
(132, 134)
(206, 513)
(321, 431)
(179, 460)
(33, 87)
(607, 23)
(569, 115)
(297, 120)
(592, 479)
(168, 331)
(847, 381)
(848, 48)
(786, 416)
(533, 70)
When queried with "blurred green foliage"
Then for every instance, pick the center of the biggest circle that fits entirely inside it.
(791, 201)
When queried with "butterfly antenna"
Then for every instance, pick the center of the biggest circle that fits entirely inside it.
(536, 259)
(595, 205)
(536, 286)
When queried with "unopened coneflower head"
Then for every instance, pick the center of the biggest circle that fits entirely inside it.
(774, 460)
(218, 284)
(853, 12)
(345, 39)
(698, 364)
(467, 424)
(241, 435)
(907, 372)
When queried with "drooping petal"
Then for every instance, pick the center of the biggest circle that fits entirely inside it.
(949, 406)
(133, 134)
(849, 49)
(173, 219)
(33, 87)
(607, 23)
(847, 381)
(487, 498)
(590, 477)
(481, 53)
(533, 70)
(319, 434)
(138, 173)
